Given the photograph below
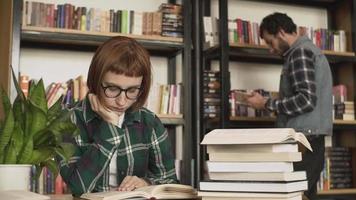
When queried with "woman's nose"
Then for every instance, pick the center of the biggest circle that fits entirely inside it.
(121, 99)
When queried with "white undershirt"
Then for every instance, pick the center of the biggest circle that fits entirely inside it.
(113, 167)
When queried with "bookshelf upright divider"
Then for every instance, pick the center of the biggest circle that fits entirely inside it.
(65, 39)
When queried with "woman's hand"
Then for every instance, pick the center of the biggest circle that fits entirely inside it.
(131, 183)
(105, 113)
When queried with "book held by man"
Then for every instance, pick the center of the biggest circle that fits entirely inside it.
(164, 191)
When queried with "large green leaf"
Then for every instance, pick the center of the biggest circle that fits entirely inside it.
(55, 110)
(7, 131)
(43, 138)
(65, 151)
(38, 97)
(17, 86)
(19, 108)
(39, 120)
(17, 138)
(42, 154)
(28, 121)
(26, 151)
(10, 154)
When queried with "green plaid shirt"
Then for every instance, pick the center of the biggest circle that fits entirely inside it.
(142, 146)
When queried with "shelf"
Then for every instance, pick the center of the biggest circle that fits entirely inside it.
(253, 119)
(261, 54)
(349, 191)
(171, 119)
(249, 122)
(245, 122)
(344, 122)
(315, 3)
(34, 36)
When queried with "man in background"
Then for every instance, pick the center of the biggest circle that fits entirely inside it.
(305, 92)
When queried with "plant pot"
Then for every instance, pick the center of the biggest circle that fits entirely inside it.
(15, 177)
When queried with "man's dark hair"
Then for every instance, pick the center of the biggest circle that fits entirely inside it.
(273, 23)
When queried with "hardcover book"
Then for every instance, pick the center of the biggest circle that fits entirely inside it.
(255, 136)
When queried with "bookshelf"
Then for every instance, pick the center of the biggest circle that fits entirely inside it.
(339, 14)
(169, 48)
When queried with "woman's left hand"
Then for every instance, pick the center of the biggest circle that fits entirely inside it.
(131, 183)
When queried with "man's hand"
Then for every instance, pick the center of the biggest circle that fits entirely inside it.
(131, 183)
(108, 115)
(256, 100)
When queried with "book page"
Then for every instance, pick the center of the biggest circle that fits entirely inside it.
(174, 191)
(300, 137)
(115, 195)
(254, 136)
(164, 191)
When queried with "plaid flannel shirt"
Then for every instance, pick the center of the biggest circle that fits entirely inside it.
(142, 146)
(301, 74)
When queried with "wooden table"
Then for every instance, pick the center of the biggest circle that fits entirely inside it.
(63, 197)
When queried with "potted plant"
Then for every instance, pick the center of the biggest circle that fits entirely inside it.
(32, 134)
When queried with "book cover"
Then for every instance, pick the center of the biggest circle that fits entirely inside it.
(250, 195)
(257, 157)
(249, 166)
(275, 148)
(253, 186)
(258, 176)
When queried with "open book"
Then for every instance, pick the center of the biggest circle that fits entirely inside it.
(164, 191)
(255, 136)
(21, 195)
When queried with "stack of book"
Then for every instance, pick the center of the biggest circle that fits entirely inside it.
(253, 164)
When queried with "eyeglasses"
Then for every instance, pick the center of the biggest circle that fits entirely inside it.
(114, 91)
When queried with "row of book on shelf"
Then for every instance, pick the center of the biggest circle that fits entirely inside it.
(343, 109)
(73, 90)
(47, 182)
(163, 99)
(253, 164)
(247, 32)
(211, 94)
(167, 21)
(337, 172)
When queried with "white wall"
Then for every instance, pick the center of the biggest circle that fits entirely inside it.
(256, 75)
(60, 65)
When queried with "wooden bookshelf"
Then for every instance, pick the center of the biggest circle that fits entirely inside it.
(253, 119)
(348, 191)
(326, 52)
(345, 122)
(171, 119)
(33, 36)
(272, 119)
(261, 54)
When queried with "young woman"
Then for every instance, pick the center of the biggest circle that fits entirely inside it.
(121, 145)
